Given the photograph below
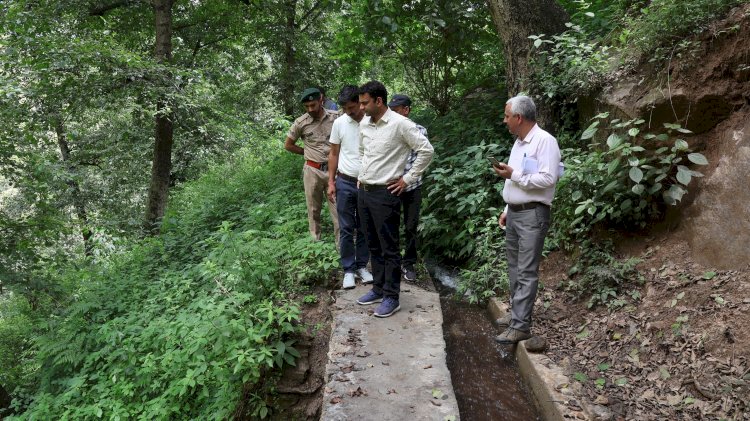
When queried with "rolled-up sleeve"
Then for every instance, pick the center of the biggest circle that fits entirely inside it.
(419, 144)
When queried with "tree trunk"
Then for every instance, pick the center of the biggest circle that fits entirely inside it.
(163, 133)
(5, 400)
(515, 21)
(75, 189)
(288, 73)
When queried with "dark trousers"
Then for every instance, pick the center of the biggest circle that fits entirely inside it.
(352, 239)
(381, 213)
(410, 202)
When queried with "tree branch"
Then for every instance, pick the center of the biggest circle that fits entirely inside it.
(306, 16)
(103, 8)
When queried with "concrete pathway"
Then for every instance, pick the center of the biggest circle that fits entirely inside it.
(388, 369)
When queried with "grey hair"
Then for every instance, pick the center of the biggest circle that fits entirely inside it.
(523, 106)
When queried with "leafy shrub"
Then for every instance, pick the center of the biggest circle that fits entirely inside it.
(461, 191)
(570, 64)
(661, 23)
(178, 326)
(627, 184)
(602, 277)
(487, 273)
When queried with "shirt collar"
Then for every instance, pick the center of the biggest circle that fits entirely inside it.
(530, 134)
(387, 116)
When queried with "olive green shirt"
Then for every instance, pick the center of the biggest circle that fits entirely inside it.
(315, 134)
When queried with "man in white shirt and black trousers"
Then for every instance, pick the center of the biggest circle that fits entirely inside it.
(387, 140)
(528, 193)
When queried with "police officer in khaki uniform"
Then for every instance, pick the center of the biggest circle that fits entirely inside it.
(314, 128)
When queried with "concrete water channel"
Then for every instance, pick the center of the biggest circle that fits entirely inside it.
(485, 375)
(433, 360)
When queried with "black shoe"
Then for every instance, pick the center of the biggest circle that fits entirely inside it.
(409, 273)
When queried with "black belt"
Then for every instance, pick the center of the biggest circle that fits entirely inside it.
(372, 187)
(525, 206)
(347, 177)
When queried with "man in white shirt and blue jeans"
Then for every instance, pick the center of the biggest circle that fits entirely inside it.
(343, 170)
(526, 217)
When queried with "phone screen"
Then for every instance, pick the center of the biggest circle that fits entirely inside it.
(493, 161)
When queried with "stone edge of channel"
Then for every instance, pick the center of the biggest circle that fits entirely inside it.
(550, 387)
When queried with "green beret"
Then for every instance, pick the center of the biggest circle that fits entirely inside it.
(309, 94)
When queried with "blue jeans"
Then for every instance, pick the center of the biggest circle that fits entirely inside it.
(352, 240)
(381, 215)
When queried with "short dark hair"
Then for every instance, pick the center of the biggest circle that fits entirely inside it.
(322, 90)
(347, 94)
(375, 89)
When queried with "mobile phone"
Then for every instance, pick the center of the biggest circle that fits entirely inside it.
(493, 161)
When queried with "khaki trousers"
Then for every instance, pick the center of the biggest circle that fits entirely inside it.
(316, 187)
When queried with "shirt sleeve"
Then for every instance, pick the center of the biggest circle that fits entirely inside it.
(335, 138)
(419, 144)
(548, 160)
(295, 131)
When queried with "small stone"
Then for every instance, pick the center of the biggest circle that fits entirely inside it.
(536, 344)
(601, 400)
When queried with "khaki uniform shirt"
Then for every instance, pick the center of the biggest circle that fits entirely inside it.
(315, 134)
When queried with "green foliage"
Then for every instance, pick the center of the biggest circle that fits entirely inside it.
(626, 183)
(663, 23)
(487, 273)
(179, 325)
(441, 49)
(602, 278)
(462, 191)
(570, 64)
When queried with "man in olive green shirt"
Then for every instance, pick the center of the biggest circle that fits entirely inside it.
(314, 128)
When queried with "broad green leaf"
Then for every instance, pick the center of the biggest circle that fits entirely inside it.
(697, 158)
(638, 189)
(614, 141)
(636, 174)
(681, 145)
(633, 132)
(590, 131)
(612, 166)
(683, 175)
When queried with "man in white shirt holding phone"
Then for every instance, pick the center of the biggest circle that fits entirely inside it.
(526, 218)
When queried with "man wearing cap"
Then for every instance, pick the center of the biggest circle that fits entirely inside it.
(387, 140)
(343, 170)
(328, 104)
(314, 128)
(411, 198)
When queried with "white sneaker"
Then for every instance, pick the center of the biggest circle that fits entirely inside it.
(365, 275)
(349, 281)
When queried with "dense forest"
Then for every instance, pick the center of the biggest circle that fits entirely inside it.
(154, 254)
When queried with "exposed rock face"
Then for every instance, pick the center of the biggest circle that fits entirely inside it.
(707, 90)
(719, 224)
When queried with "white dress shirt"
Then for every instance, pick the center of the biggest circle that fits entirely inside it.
(523, 188)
